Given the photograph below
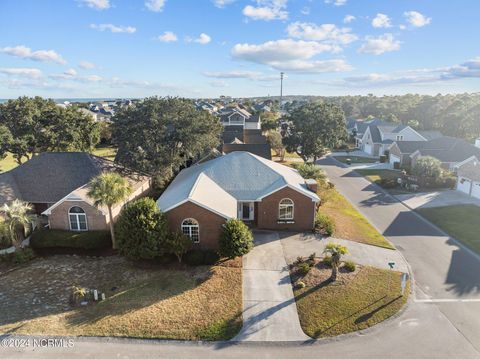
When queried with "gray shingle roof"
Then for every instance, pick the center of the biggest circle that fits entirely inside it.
(470, 170)
(408, 147)
(449, 149)
(50, 176)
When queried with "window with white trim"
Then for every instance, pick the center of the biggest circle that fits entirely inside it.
(191, 229)
(285, 209)
(77, 219)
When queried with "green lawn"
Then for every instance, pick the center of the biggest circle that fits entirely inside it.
(327, 310)
(460, 221)
(356, 159)
(377, 175)
(350, 224)
(9, 162)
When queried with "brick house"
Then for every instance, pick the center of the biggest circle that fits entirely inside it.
(56, 184)
(263, 193)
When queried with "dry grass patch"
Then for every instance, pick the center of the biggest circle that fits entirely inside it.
(194, 303)
(358, 300)
(349, 223)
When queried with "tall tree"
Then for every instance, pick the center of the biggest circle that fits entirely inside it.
(39, 125)
(160, 135)
(5, 140)
(314, 128)
(109, 189)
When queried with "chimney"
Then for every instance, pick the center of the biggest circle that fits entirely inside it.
(312, 184)
(477, 142)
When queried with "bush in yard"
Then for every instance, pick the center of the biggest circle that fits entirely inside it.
(236, 239)
(20, 256)
(349, 266)
(324, 224)
(388, 183)
(327, 260)
(304, 268)
(309, 170)
(54, 238)
(141, 230)
(427, 167)
(178, 244)
(335, 251)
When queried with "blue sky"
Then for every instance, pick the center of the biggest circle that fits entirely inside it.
(205, 48)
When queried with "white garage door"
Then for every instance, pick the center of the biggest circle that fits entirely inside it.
(476, 190)
(394, 159)
(463, 185)
(367, 148)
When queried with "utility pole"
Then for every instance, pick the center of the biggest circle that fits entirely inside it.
(281, 89)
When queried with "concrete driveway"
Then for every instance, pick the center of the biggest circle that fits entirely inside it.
(436, 199)
(303, 244)
(269, 309)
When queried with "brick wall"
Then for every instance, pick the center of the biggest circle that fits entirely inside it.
(58, 219)
(303, 215)
(210, 224)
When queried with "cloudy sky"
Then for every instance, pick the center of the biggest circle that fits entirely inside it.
(205, 48)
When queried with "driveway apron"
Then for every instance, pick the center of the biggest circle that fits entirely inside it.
(269, 309)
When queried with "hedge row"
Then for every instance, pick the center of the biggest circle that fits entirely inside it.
(68, 239)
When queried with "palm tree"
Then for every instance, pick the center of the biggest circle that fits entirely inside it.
(16, 215)
(109, 189)
(336, 251)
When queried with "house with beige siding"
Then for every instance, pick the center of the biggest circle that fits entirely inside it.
(262, 193)
(56, 184)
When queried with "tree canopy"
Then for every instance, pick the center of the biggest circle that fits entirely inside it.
(37, 125)
(160, 135)
(314, 128)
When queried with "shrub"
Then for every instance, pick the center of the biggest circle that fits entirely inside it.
(396, 165)
(309, 170)
(195, 257)
(349, 266)
(388, 182)
(312, 256)
(178, 244)
(22, 255)
(211, 257)
(141, 230)
(327, 260)
(304, 268)
(427, 167)
(236, 239)
(300, 285)
(67, 239)
(324, 224)
(383, 159)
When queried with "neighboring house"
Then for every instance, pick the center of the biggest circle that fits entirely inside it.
(56, 184)
(400, 151)
(240, 185)
(239, 117)
(468, 180)
(237, 139)
(379, 137)
(450, 151)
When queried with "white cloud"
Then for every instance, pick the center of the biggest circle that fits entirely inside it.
(381, 21)
(155, 5)
(336, 2)
(39, 55)
(241, 74)
(291, 55)
(267, 10)
(348, 19)
(417, 19)
(218, 84)
(222, 3)
(280, 50)
(203, 39)
(22, 71)
(71, 72)
(468, 69)
(329, 33)
(305, 10)
(86, 65)
(167, 36)
(379, 45)
(96, 4)
(113, 28)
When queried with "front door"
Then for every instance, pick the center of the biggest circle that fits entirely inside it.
(246, 211)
